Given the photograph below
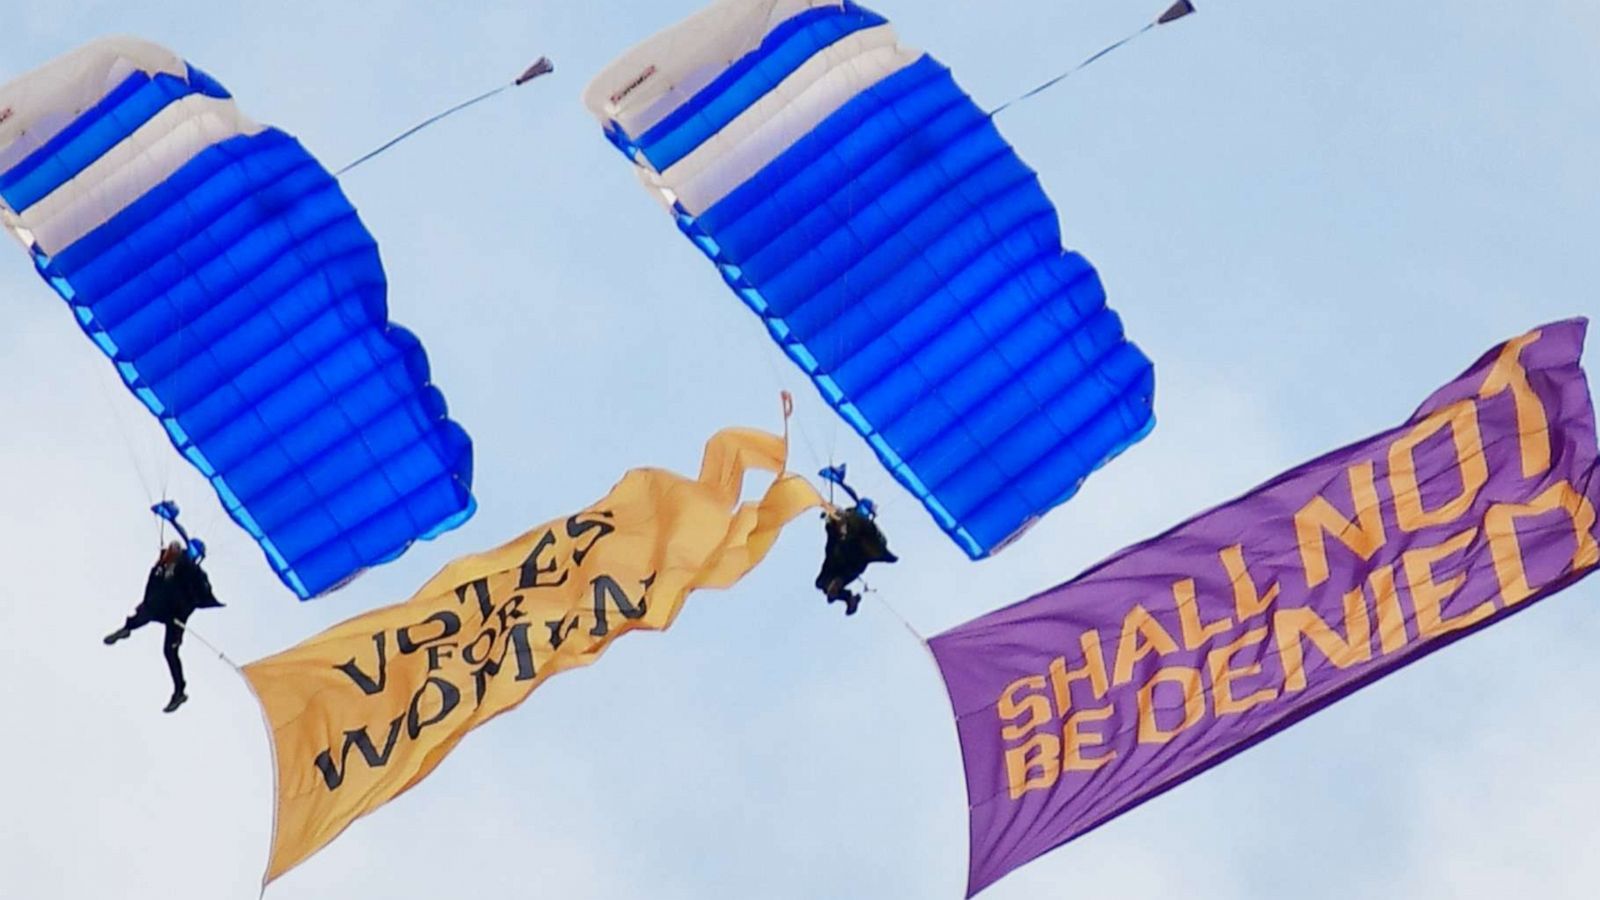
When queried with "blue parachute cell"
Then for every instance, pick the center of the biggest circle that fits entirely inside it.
(222, 269)
(895, 247)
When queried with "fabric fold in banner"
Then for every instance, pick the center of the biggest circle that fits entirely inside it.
(1090, 698)
(368, 708)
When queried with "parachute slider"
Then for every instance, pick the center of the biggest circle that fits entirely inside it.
(1175, 12)
(541, 66)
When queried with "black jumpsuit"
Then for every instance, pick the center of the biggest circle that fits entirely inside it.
(854, 542)
(171, 595)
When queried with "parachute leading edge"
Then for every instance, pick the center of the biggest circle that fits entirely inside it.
(220, 267)
(894, 245)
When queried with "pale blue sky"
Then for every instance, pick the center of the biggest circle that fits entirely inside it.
(1309, 215)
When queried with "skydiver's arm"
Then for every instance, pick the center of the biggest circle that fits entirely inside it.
(854, 497)
(201, 586)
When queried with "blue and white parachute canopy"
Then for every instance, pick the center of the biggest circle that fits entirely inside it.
(894, 245)
(220, 267)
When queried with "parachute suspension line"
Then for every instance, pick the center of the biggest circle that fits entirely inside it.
(1174, 12)
(838, 347)
(166, 480)
(851, 300)
(542, 66)
(123, 434)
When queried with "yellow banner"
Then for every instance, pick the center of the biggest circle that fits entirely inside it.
(365, 710)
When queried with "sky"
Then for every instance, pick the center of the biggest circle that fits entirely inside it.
(1309, 215)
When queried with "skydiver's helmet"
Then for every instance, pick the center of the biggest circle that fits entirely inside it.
(868, 508)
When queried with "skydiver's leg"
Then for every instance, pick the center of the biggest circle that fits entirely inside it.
(835, 582)
(853, 571)
(832, 579)
(835, 579)
(850, 573)
(138, 620)
(169, 647)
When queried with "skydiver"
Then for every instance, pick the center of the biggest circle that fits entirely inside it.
(177, 586)
(854, 542)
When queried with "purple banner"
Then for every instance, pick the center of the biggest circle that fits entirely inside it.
(1086, 700)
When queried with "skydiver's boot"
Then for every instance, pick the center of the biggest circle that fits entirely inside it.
(178, 699)
(117, 635)
(852, 601)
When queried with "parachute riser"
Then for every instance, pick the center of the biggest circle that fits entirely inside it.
(167, 511)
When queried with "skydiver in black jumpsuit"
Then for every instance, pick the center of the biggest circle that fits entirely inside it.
(854, 542)
(176, 588)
